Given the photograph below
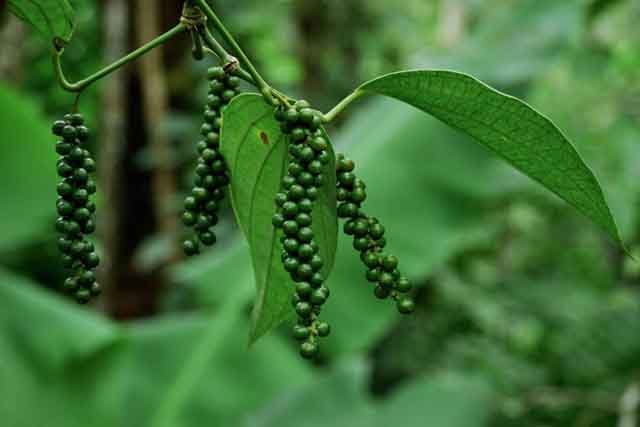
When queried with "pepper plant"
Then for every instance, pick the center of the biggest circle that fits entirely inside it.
(271, 155)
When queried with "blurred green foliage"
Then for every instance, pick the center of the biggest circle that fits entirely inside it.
(528, 316)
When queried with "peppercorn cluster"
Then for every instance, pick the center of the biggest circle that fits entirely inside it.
(212, 176)
(301, 185)
(368, 238)
(75, 209)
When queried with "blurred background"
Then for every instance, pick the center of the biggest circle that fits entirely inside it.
(527, 314)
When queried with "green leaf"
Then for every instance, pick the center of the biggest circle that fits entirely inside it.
(507, 126)
(341, 395)
(51, 18)
(177, 370)
(28, 170)
(256, 153)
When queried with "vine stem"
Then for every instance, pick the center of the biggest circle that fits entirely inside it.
(264, 88)
(341, 106)
(224, 56)
(84, 83)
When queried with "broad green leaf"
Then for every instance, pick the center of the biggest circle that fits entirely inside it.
(507, 126)
(51, 18)
(28, 170)
(177, 370)
(342, 396)
(256, 153)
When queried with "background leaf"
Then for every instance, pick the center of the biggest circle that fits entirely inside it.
(28, 202)
(256, 153)
(507, 126)
(51, 18)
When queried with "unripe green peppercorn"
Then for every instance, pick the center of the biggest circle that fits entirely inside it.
(300, 332)
(305, 206)
(323, 328)
(303, 219)
(304, 309)
(308, 349)
(190, 247)
(406, 305)
(303, 289)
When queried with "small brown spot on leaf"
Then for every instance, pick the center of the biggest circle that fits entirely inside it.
(264, 138)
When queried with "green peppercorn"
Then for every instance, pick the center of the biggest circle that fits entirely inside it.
(291, 245)
(69, 133)
(371, 259)
(83, 296)
(92, 260)
(403, 285)
(377, 231)
(76, 119)
(80, 175)
(381, 292)
(189, 219)
(306, 179)
(316, 280)
(308, 349)
(347, 210)
(228, 95)
(89, 227)
(82, 215)
(291, 116)
(306, 116)
(65, 208)
(304, 271)
(213, 139)
(290, 210)
(281, 199)
(358, 195)
(316, 263)
(87, 278)
(319, 296)
(199, 194)
(324, 157)
(77, 248)
(58, 127)
(342, 194)
(307, 155)
(305, 206)
(65, 189)
(313, 193)
(82, 133)
(288, 182)
(191, 247)
(406, 305)
(305, 234)
(216, 73)
(303, 289)
(305, 251)
(95, 289)
(323, 329)
(390, 263)
(278, 220)
(373, 275)
(216, 88)
(345, 165)
(290, 228)
(207, 238)
(77, 155)
(300, 332)
(298, 134)
(304, 309)
(303, 219)
(386, 280)
(80, 196)
(291, 264)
